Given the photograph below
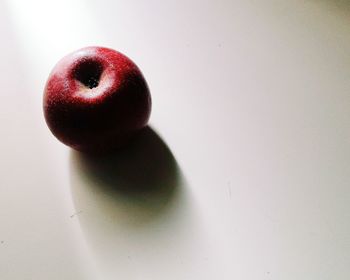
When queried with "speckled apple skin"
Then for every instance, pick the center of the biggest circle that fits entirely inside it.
(102, 118)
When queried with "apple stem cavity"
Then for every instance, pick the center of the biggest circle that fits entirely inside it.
(88, 73)
(92, 83)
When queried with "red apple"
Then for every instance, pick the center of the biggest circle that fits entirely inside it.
(96, 99)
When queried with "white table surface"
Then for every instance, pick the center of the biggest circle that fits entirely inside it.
(252, 99)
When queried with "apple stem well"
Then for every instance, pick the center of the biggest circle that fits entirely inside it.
(88, 73)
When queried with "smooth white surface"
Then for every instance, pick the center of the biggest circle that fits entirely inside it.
(252, 98)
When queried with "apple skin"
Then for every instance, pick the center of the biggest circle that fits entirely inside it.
(96, 99)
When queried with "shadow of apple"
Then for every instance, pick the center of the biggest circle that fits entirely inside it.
(134, 208)
(137, 183)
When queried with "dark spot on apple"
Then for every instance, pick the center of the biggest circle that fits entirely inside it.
(88, 72)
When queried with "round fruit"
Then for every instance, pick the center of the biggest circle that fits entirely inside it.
(96, 99)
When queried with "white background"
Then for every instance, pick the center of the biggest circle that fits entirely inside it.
(251, 97)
